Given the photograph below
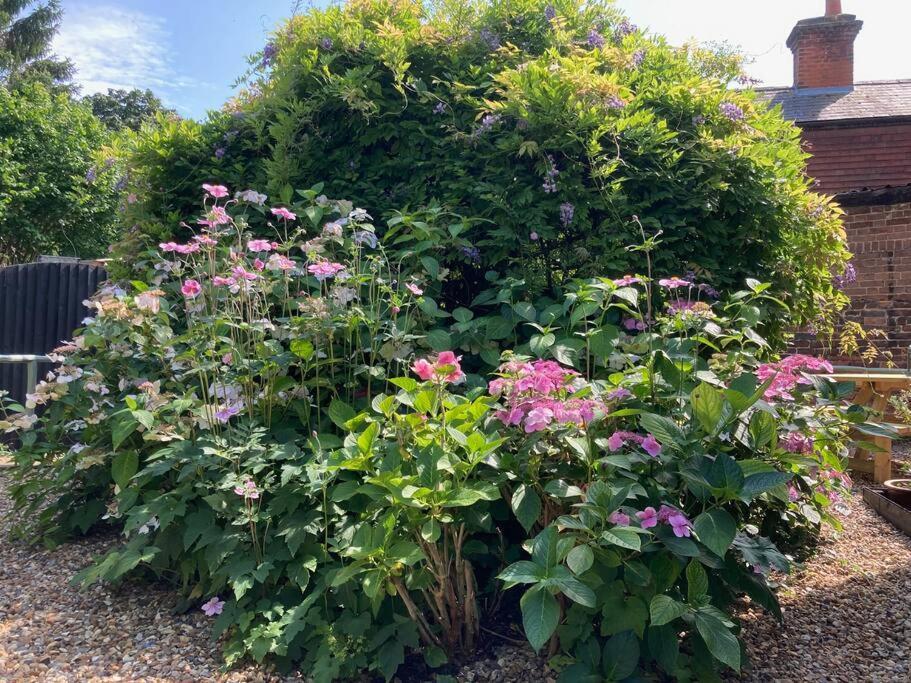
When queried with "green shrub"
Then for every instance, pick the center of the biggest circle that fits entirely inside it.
(55, 198)
(251, 421)
(550, 126)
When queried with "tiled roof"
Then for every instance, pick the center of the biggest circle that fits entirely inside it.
(867, 100)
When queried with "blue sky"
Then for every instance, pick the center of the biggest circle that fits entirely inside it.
(190, 52)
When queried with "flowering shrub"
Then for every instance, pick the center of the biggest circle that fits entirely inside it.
(548, 126)
(273, 420)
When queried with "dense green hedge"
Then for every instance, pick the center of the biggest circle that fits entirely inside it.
(549, 126)
(54, 197)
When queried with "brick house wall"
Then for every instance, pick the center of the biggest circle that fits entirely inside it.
(878, 225)
(852, 156)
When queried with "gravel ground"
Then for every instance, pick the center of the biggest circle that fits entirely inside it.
(847, 618)
(847, 613)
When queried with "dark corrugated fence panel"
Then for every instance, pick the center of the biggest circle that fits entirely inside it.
(41, 305)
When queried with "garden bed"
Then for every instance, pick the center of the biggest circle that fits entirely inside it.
(847, 618)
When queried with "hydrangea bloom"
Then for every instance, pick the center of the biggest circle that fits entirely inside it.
(247, 490)
(785, 374)
(648, 443)
(540, 394)
(324, 269)
(620, 518)
(648, 518)
(795, 442)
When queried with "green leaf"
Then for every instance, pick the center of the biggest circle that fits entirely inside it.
(719, 640)
(340, 412)
(438, 340)
(540, 616)
(724, 476)
(580, 559)
(523, 571)
(759, 483)
(663, 428)
(663, 609)
(621, 656)
(525, 310)
(708, 406)
(302, 348)
(540, 343)
(763, 429)
(122, 429)
(575, 590)
(697, 582)
(663, 646)
(716, 530)
(544, 548)
(625, 537)
(366, 438)
(526, 505)
(124, 465)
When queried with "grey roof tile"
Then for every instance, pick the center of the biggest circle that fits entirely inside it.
(866, 100)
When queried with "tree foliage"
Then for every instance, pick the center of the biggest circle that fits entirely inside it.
(26, 31)
(556, 129)
(119, 109)
(53, 197)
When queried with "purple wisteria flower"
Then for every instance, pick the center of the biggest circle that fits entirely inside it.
(567, 211)
(269, 52)
(550, 12)
(440, 108)
(595, 39)
(731, 111)
(849, 277)
(637, 59)
(623, 29)
(472, 253)
(550, 180)
(326, 43)
(489, 38)
(91, 174)
(219, 152)
(698, 120)
(488, 121)
(614, 102)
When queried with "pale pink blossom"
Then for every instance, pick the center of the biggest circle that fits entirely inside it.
(282, 212)
(216, 191)
(191, 289)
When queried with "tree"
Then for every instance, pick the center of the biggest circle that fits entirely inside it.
(119, 109)
(54, 199)
(25, 43)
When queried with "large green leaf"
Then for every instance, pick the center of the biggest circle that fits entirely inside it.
(625, 537)
(708, 406)
(663, 428)
(523, 571)
(526, 505)
(697, 582)
(759, 483)
(540, 616)
(124, 465)
(718, 638)
(716, 529)
(621, 656)
(663, 609)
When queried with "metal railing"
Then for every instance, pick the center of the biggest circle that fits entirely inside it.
(31, 372)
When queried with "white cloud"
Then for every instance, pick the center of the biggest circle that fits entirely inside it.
(117, 48)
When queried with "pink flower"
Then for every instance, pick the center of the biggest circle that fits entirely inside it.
(632, 324)
(651, 446)
(228, 358)
(423, 369)
(785, 374)
(191, 289)
(178, 248)
(618, 394)
(627, 280)
(213, 606)
(248, 490)
(132, 198)
(280, 262)
(259, 245)
(674, 282)
(324, 269)
(282, 212)
(444, 368)
(206, 240)
(242, 273)
(538, 419)
(795, 442)
(533, 236)
(680, 524)
(258, 265)
(648, 518)
(793, 493)
(226, 414)
(619, 518)
(216, 216)
(414, 289)
(220, 281)
(216, 191)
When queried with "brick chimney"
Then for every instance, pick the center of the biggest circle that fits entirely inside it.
(823, 49)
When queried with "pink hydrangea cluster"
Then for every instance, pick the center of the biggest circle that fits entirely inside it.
(795, 442)
(539, 394)
(678, 522)
(786, 374)
(647, 443)
(444, 368)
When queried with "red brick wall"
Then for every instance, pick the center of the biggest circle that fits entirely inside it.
(824, 52)
(880, 238)
(854, 157)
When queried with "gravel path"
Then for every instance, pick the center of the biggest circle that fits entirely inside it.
(847, 618)
(847, 613)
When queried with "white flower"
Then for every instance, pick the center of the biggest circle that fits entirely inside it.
(252, 196)
(151, 525)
